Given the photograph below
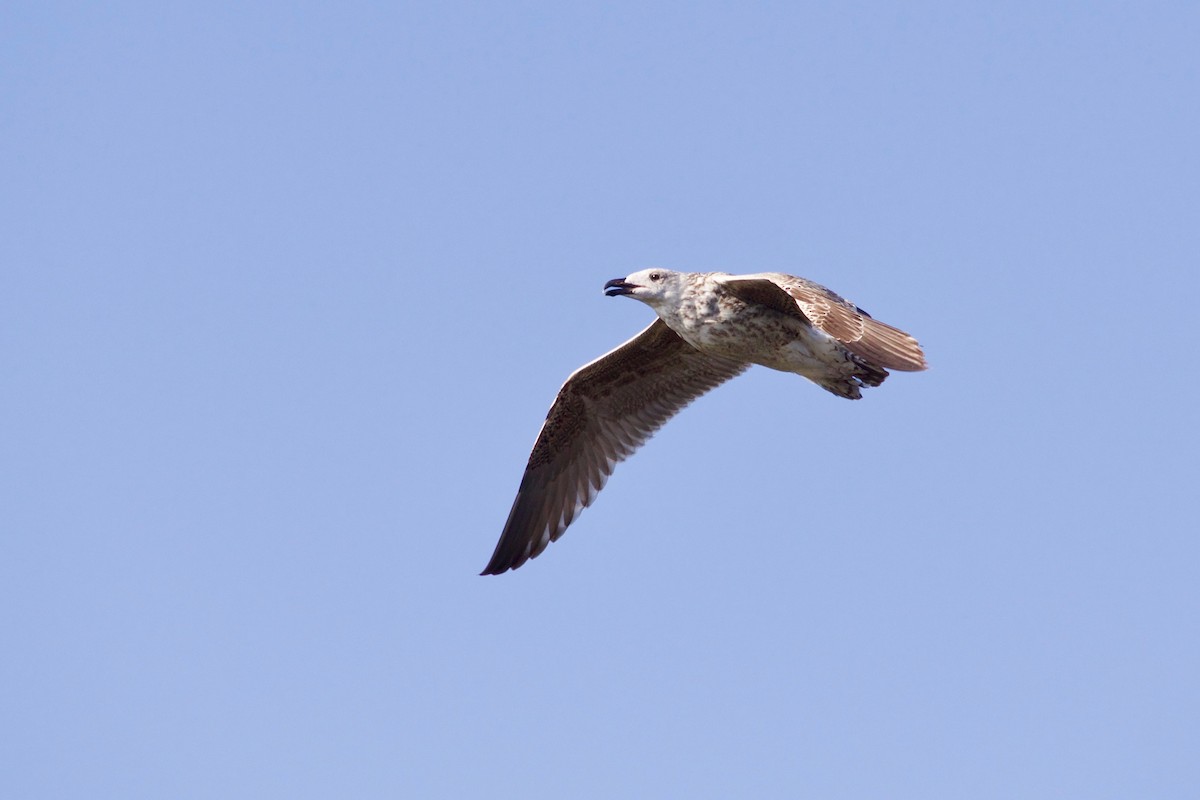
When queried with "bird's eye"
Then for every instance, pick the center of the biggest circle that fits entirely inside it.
(655, 276)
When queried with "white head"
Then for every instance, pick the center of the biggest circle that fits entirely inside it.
(654, 287)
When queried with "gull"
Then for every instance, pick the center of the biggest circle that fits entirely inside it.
(711, 327)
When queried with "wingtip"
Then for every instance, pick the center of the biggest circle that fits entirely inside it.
(499, 566)
(919, 362)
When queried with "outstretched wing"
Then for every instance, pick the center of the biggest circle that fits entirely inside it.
(876, 342)
(603, 413)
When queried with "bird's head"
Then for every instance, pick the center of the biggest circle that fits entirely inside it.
(654, 287)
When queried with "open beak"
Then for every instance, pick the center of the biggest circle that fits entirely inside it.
(618, 286)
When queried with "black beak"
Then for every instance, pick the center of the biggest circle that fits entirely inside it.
(618, 286)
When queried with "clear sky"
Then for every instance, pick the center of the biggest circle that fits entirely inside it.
(287, 288)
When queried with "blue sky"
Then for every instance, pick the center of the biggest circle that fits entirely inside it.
(288, 288)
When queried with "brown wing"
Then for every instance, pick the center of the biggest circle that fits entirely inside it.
(764, 292)
(877, 342)
(602, 414)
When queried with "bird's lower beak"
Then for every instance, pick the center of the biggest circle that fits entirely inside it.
(618, 286)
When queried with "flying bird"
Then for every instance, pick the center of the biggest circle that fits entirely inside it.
(711, 327)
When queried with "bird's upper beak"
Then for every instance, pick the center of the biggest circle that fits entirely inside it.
(618, 286)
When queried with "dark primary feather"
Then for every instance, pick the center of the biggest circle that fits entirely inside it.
(602, 414)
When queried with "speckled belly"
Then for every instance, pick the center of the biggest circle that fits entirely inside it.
(761, 337)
